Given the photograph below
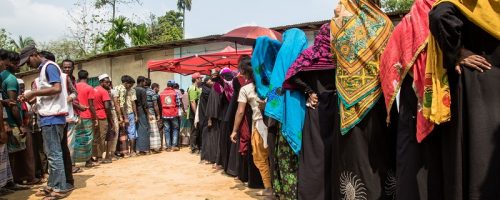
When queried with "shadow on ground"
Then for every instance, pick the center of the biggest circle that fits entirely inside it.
(80, 182)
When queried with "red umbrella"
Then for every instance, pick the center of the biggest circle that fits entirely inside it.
(200, 63)
(248, 34)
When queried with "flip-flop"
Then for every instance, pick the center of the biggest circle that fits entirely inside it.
(77, 170)
(42, 192)
(56, 195)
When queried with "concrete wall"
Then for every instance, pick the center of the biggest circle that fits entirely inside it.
(132, 65)
(28, 79)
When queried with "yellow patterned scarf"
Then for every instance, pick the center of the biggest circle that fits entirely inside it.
(437, 92)
(358, 40)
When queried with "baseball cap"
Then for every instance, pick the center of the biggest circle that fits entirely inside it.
(25, 54)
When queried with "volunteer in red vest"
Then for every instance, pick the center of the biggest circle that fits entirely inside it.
(170, 103)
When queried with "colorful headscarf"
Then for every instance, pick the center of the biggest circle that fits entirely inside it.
(358, 38)
(228, 84)
(287, 107)
(316, 57)
(406, 53)
(436, 106)
(263, 58)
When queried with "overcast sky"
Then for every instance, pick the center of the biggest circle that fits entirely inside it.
(47, 20)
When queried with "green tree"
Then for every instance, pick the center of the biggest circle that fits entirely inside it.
(139, 35)
(21, 43)
(184, 5)
(5, 40)
(166, 28)
(63, 49)
(114, 39)
(396, 5)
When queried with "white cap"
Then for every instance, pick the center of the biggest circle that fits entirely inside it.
(103, 76)
(20, 81)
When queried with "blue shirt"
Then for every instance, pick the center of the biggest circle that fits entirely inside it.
(53, 76)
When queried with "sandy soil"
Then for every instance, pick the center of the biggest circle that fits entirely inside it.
(168, 175)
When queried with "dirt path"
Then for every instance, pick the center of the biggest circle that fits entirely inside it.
(168, 175)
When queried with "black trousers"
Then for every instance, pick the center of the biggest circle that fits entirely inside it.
(195, 139)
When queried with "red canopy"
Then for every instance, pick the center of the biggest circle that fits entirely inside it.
(228, 57)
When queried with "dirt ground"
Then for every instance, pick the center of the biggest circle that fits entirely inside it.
(168, 175)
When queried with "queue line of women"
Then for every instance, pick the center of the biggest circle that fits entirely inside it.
(371, 111)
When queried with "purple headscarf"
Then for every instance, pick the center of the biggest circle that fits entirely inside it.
(316, 57)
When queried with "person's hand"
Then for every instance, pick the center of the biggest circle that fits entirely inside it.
(70, 99)
(472, 61)
(28, 96)
(136, 119)
(312, 101)
(95, 123)
(233, 136)
(209, 122)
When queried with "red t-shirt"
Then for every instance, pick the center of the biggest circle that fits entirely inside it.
(101, 96)
(85, 92)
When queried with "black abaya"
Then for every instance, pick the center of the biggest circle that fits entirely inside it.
(315, 160)
(470, 148)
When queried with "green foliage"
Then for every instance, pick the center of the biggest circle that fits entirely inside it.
(183, 5)
(114, 39)
(63, 49)
(139, 35)
(167, 28)
(21, 43)
(5, 40)
(396, 5)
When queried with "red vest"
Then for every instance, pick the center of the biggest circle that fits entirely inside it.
(168, 103)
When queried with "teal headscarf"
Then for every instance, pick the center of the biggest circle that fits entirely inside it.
(288, 107)
(263, 58)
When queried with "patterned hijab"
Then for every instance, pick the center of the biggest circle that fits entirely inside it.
(263, 58)
(359, 36)
(406, 53)
(316, 57)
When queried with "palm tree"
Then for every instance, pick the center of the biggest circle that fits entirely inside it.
(184, 5)
(22, 42)
(115, 38)
(139, 35)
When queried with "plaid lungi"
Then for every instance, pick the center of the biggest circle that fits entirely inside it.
(5, 171)
(83, 140)
(154, 137)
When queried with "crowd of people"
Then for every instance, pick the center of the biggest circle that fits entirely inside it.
(369, 111)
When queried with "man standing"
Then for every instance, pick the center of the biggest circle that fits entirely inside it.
(88, 121)
(170, 102)
(153, 112)
(142, 115)
(51, 97)
(128, 110)
(103, 131)
(194, 93)
(156, 89)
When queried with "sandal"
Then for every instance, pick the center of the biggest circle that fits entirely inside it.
(43, 192)
(56, 195)
(77, 170)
